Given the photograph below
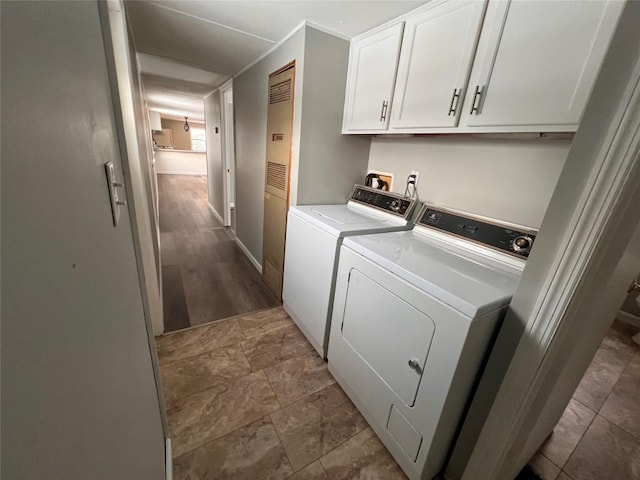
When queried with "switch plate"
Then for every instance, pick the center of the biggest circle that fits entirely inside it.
(113, 184)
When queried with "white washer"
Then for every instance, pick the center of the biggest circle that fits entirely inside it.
(413, 315)
(314, 237)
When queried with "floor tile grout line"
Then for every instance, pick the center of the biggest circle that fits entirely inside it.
(229, 433)
(273, 390)
(595, 414)
(233, 380)
(191, 357)
(635, 436)
(322, 466)
(552, 462)
(204, 325)
(611, 393)
(585, 406)
(282, 444)
(338, 445)
(245, 339)
(579, 441)
(189, 395)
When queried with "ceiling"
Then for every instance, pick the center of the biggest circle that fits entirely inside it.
(187, 48)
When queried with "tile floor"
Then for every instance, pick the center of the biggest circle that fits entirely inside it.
(249, 398)
(598, 436)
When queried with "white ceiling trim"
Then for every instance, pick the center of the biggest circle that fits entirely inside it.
(211, 22)
(275, 47)
(324, 29)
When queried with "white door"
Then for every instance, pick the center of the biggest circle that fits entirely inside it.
(79, 398)
(537, 61)
(437, 53)
(388, 333)
(372, 72)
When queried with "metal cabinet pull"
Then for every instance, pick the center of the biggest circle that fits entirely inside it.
(476, 96)
(383, 111)
(455, 98)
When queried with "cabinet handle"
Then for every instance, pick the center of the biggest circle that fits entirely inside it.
(383, 111)
(455, 98)
(476, 96)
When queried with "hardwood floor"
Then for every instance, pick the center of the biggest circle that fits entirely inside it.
(205, 276)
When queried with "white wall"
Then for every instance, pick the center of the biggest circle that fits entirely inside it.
(250, 96)
(329, 162)
(215, 170)
(506, 179)
(78, 394)
(180, 163)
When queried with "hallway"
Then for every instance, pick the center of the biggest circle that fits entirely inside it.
(205, 275)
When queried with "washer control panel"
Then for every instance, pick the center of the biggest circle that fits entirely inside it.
(382, 200)
(496, 235)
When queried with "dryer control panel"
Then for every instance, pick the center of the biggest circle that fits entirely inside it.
(515, 241)
(386, 201)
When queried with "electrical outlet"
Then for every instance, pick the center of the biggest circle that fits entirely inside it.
(416, 175)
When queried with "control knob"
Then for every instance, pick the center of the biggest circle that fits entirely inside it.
(522, 244)
(395, 205)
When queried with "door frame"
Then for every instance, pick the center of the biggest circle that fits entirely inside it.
(588, 254)
(228, 152)
(116, 41)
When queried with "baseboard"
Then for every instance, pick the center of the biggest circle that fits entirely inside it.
(628, 318)
(181, 172)
(251, 258)
(168, 459)
(215, 214)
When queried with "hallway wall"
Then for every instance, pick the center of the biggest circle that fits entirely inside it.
(250, 94)
(324, 163)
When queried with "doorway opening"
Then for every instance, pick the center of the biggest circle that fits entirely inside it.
(228, 156)
(603, 415)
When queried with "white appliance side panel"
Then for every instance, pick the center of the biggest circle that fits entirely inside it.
(308, 277)
(387, 333)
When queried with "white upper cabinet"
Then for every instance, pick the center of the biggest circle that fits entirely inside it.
(536, 63)
(437, 53)
(373, 62)
(480, 66)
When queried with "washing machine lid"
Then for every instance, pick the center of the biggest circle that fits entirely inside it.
(465, 279)
(350, 219)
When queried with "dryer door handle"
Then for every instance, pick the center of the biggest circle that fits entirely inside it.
(414, 364)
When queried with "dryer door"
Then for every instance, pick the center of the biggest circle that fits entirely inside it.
(388, 333)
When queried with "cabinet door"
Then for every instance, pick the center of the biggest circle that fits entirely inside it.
(372, 72)
(437, 53)
(537, 61)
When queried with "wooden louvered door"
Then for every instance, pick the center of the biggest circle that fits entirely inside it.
(276, 192)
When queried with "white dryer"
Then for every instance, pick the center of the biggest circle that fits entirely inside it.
(413, 316)
(314, 237)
